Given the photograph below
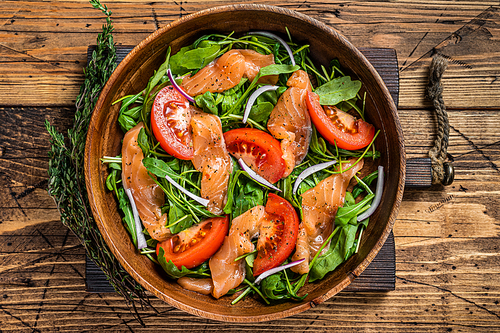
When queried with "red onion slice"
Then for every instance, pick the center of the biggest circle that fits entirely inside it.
(309, 171)
(253, 97)
(256, 177)
(200, 200)
(141, 240)
(273, 36)
(378, 195)
(176, 86)
(276, 270)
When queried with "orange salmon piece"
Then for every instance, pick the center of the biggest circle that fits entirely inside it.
(227, 273)
(211, 159)
(290, 122)
(148, 196)
(202, 286)
(254, 61)
(218, 76)
(319, 206)
(226, 72)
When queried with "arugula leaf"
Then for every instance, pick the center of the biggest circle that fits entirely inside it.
(346, 213)
(207, 103)
(338, 90)
(260, 112)
(142, 141)
(349, 199)
(264, 71)
(178, 219)
(249, 196)
(126, 122)
(149, 96)
(188, 59)
(333, 257)
(128, 217)
(358, 188)
(233, 180)
(168, 266)
(274, 287)
(160, 168)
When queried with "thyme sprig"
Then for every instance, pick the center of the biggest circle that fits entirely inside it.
(66, 182)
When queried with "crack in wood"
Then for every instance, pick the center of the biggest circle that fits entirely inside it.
(119, 315)
(181, 9)
(42, 184)
(17, 318)
(13, 194)
(451, 293)
(155, 19)
(36, 59)
(478, 22)
(43, 297)
(479, 147)
(476, 149)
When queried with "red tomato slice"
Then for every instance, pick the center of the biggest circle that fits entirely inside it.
(339, 127)
(280, 236)
(195, 245)
(170, 122)
(259, 150)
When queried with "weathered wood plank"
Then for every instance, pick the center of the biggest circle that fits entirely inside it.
(446, 238)
(453, 285)
(51, 59)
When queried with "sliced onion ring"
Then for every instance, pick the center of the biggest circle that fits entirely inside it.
(176, 86)
(252, 99)
(200, 200)
(378, 195)
(141, 240)
(273, 36)
(276, 270)
(309, 171)
(259, 179)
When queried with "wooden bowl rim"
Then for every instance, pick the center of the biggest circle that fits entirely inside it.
(300, 307)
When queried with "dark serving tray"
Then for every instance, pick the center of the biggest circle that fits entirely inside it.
(380, 275)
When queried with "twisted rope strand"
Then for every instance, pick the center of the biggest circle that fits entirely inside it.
(438, 153)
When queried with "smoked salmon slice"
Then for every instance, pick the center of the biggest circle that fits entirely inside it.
(290, 122)
(212, 159)
(148, 196)
(227, 71)
(202, 286)
(254, 61)
(226, 272)
(319, 207)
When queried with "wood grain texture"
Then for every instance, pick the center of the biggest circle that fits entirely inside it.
(42, 43)
(446, 238)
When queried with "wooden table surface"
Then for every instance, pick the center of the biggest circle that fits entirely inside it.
(447, 238)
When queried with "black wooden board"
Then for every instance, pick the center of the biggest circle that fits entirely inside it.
(380, 275)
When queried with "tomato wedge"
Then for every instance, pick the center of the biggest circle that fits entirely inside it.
(278, 240)
(193, 246)
(259, 150)
(338, 127)
(170, 122)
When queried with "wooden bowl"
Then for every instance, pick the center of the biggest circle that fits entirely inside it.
(131, 76)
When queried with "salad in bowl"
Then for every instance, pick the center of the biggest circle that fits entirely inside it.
(250, 171)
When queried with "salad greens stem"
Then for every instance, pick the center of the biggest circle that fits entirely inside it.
(245, 255)
(257, 290)
(242, 295)
(111, 159)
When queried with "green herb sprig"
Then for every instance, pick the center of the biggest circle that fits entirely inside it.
(66, 182)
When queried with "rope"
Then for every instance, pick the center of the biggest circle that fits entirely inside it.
(442, 172)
